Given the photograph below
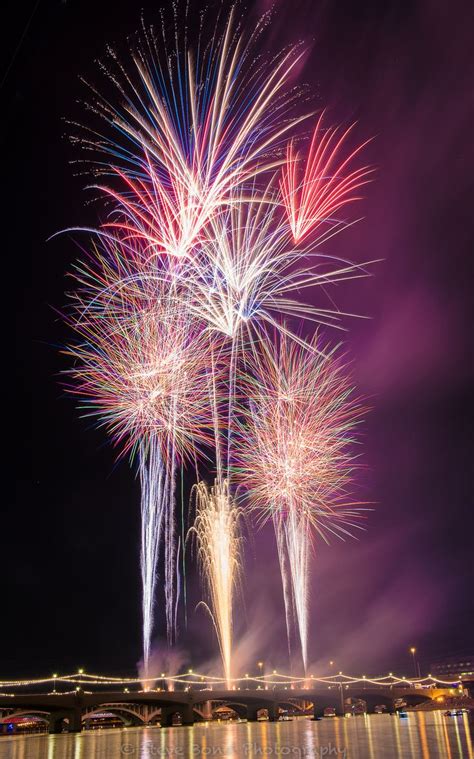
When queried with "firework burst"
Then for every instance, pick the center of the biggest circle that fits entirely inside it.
(247, 271)
(143, 372)
(314, 190)
(193, 126)
(295, 456)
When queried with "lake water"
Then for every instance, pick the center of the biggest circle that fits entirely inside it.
(423, 735)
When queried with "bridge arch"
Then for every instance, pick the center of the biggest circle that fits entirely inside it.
(27, 713)
(155, 715)
(371, 701)
(129, 717)
(237, 707)
(413, 699)
(35, 720)
(184, 711)
(295, 706)
(390, 700)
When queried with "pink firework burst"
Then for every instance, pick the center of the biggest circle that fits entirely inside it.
(316, 188)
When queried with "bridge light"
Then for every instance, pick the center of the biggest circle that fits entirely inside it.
(274, 672)
(190, 671)
(162, 674)
(54, 675)
(246, 674)
(80, 671)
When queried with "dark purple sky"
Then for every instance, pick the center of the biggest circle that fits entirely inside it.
(69, 553)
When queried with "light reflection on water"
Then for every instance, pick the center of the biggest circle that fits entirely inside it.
(427, 735)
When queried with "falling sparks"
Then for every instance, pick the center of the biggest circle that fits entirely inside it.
(217, 534)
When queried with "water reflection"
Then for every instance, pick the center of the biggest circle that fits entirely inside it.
(428, 735)
(423, 737)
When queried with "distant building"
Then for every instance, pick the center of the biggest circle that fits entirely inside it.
(453, 667)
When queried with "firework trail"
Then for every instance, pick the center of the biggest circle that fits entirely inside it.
(216, 531)
(298, 546)
(294, 456)
(154, 490)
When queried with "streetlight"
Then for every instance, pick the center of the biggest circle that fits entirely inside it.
(416, 665)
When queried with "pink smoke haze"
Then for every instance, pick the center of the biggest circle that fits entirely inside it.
(405, 81)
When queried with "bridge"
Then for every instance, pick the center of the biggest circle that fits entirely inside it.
(188, 706)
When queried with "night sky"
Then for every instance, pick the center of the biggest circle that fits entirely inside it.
(70, 526)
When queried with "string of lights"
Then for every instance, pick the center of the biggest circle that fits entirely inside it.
(192, 678)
